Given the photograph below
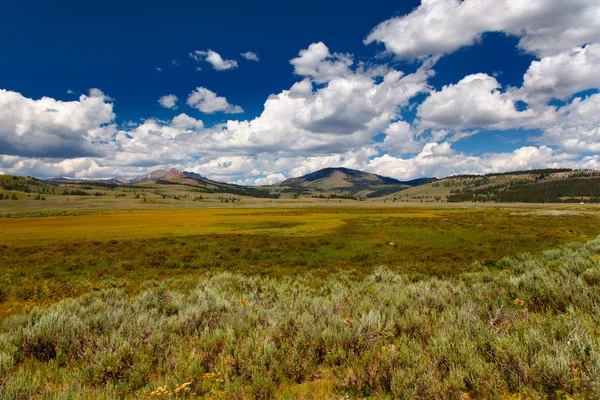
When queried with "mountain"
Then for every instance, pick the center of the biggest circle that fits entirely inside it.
(157, 175)
(164, 175)
(345, 182)
(190, 181)
(534, 186)
(77, 181)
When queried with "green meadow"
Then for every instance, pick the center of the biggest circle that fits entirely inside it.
(312, 302)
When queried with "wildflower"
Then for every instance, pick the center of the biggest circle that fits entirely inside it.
(183, 386)
(519, 302)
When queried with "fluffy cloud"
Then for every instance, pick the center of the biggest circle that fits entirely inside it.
(357, 104)
(317, 63)
(168, 101)
(185, 122)
(53, 128)
(401, 139)
(343, 113)
(579, 129)
(437, 27)
(327, 118)
(250, 56)
(475, 101)
(562, 75)
(208, 102)
(270, 179)
(214, 59)
(439, 159)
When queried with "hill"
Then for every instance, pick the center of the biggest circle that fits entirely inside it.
(345, 182)
(172, 183)
(164, 175)
(535, 186)
(16, 187)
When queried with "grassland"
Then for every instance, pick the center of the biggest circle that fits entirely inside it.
(312, 302)
(527, 327)
(48, 258)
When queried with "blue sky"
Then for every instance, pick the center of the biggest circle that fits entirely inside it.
(404, 88)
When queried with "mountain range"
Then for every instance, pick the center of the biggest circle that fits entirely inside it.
(549, 185)
(342, 182)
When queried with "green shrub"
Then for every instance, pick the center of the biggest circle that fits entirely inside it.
(527, 326)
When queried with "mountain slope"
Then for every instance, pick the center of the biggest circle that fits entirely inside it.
(344, 182)
(164, 175)
(535, 186)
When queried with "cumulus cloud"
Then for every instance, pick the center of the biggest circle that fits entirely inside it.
(53, 128)
(343, 113)
(250, 56)
(215, 59)
(327, 118)
(437, 27)
(185, 122)
(439, 159)
(319, 64)
(562, 75)
(400, 139)
(578, 131)
(475, 101)
(168, 101)
(208, 102)
(270, 179)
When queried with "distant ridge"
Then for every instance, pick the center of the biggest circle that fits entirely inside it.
(165, 175)
(346, 176)
(157, 175)
(530, 186)
(347, 182)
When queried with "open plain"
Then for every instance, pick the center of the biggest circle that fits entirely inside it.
(305, 298)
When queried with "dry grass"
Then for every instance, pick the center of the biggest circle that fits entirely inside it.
(526, 328)
(46, 259)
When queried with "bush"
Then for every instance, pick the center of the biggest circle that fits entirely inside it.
(528, 328)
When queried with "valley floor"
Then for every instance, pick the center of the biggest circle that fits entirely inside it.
(301, 302)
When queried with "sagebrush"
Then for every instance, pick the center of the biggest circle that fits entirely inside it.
(528, 327)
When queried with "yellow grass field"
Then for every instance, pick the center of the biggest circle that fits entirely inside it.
(160, 223)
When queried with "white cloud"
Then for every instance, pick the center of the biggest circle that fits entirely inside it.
(317, 63)
(327, 118)
(250, 56)
(562, 75)
(168, 101)
(270, 179)
(53, 128)
(476, 101)
(344, 113)
(214, 59)
(185, 122)
(579, 129)
(208, 102)
(439, 159)
(438, 27)
(401, 139)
